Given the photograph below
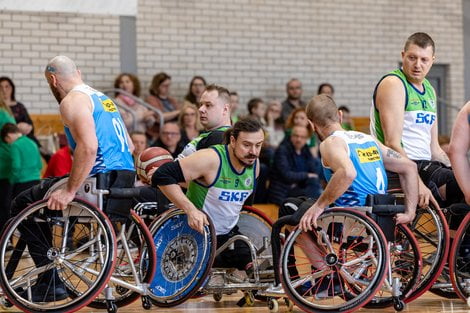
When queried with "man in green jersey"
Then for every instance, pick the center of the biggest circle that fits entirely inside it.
(220, 179)
(403, 117)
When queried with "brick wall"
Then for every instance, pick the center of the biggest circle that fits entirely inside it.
(252, 46)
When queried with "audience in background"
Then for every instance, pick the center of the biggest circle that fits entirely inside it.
(257, 109)
(160, 97)
(170, 139)
(144, 118)
(346, 120)
(196, 88)
(189, 123)
(274, 126)
(140, 143)
(293, 101)
(327, 89)
(234, 104)
(60, 163)
(295, 172)
(26, 162)
(298, 117)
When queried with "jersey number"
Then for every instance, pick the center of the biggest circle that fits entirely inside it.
(380, 184)
(121, 133)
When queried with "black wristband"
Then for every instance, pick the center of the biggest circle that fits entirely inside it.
(168, 174)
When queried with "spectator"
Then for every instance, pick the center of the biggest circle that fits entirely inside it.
(189, 123)
(5, 164)
(295, 171)
(293, 101)
(274, 126)
(140, 143)
(144, 117)
(346, 120)
(60, 163)
(327, 89)
(196, 88)
(257, 109)
(22, 118)
(170, 139)
(26, 162)
(299, 117)
(234, 104)
(160, 97)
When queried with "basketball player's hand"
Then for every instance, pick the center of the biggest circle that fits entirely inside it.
(197, 219)
(425, 196)
(404, 218)
(149, 175)
(310, 217)
(60, 199)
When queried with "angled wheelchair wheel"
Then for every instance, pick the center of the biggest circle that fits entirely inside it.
(61, 259)
(339, 266)
(459, 260)
(135, 262)
(184, 258)
(405, 265)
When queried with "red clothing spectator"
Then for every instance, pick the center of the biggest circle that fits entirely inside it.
(60, 163)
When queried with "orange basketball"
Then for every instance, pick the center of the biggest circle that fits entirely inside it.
(151, 158)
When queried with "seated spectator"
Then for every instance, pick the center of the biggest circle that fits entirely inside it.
(189, 123)
(234, 104)
(294, 98)
(26, 162)
(346, 120)
(140, 143)
(196, 88)
(274, 126)
(22, 118)
(60, 163)
(144, 117)
(326, 89)
(299, 117)
(295, 171)
(257, 109)
(170, 139)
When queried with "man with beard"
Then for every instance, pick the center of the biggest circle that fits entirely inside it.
(293, 101)
(101, 146)
(220, 179)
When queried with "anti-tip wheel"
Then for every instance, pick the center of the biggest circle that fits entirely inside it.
(273, 305)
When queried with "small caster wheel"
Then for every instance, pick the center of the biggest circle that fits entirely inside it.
(241, 303)
(399, 305)
(273, 305)
(6, 303)
(289, 305)
(111, 307)
(217, 297)
(146, 303)
(249, 299)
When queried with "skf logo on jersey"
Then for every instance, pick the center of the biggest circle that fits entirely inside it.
(366, 155)
(425, 118)
(108, 105)
(234, 196)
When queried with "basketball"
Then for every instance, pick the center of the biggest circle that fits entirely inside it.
(151, 158)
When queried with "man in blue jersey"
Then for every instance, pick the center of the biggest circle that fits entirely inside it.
(101, 146)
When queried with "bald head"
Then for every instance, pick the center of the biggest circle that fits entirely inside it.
(61, 66)
(322, 111)
(62, 75)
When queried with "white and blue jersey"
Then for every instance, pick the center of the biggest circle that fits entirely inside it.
(113, 149)
(366, 157)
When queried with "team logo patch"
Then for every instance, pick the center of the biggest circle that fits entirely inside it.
(225, 180)
(108, 105)
(248, 181)
(367, 155)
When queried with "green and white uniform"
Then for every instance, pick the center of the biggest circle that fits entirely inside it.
(420, 116)
(204, 140)
(222, 200)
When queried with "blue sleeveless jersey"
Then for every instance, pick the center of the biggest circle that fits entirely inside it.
(366, 157)
(113, 149)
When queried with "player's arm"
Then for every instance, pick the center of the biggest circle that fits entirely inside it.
(390, 102)
(76, 113)
(190, 168)
(459, 146)
(437, 154)
(408, 173)
(335, 156)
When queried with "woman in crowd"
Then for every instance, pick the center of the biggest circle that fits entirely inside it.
(189, 123)
(298, 117)
(257, 109)
(144, 117)
(274, 126)
(196, 88)
(160, 97)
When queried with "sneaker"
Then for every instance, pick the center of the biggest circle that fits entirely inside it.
(305, 289)
(329, 286)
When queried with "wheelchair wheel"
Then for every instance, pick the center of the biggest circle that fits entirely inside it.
(339, 266)
(405, 264)
(74, 250)
(140, 263)
(184, 258)
(459, 260)
(432, 233)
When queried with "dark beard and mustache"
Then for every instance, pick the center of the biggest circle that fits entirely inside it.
(56, 94)
(246, 165)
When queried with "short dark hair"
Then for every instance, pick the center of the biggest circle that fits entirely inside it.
(253, 104)
(13, 88)
(422, 40)
(325, 85)
(234, 93)
(222, 92)
(8, 128)
(157, 80)
(344, 108)
(246, 124)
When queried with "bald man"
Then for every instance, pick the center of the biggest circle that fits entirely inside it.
(101, 146)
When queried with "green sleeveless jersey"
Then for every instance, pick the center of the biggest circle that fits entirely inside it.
(420, 116)
(223, 199)
(193, 145)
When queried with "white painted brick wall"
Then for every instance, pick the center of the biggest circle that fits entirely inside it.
(252, 47)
